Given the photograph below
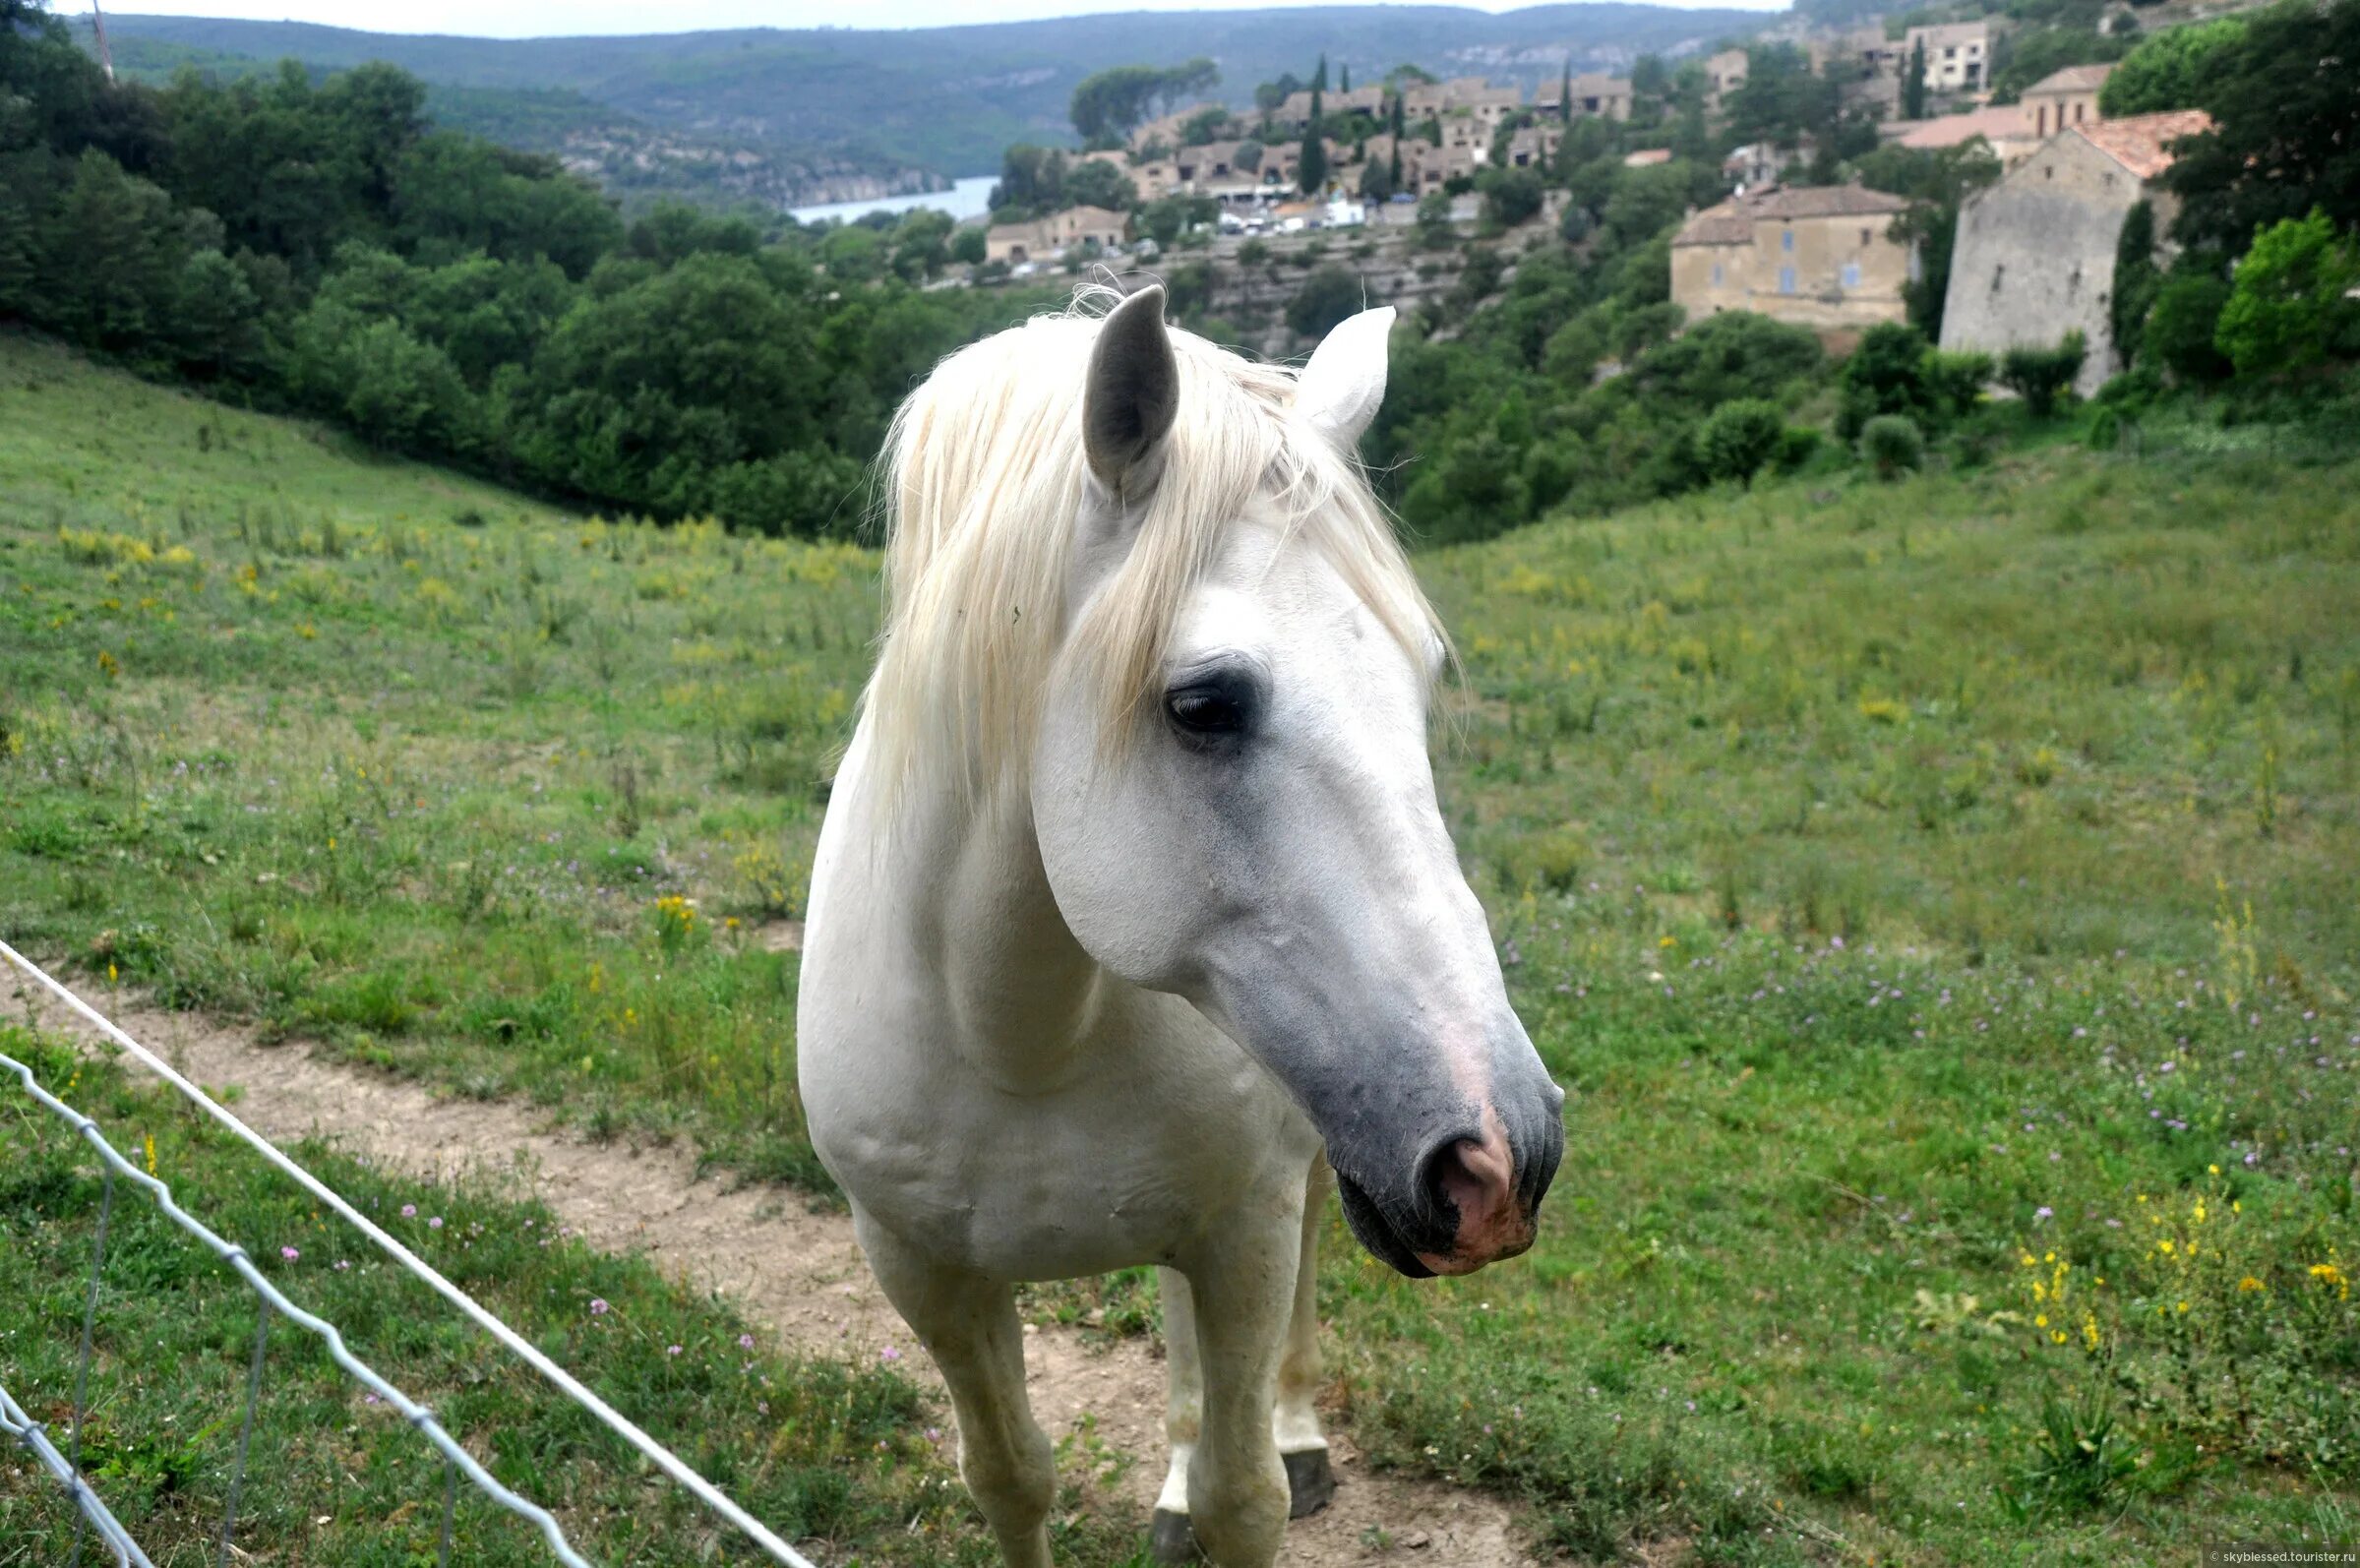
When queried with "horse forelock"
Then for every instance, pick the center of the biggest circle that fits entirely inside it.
(985, 480)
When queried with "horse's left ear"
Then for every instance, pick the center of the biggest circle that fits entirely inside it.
(1132, 394)
(1340, 389)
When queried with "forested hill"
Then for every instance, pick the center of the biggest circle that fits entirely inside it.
(949, 100)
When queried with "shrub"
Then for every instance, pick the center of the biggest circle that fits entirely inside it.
(1511, 195)
(1797, 446)
(1326, 297)
(1892, 442)
(2180, 327)
(2290, 307)
(1955, 381)
(1738, 439)
(1252, 253)
(2039, 376)
(1886, 375)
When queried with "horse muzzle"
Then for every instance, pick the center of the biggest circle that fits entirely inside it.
(1467, 1198)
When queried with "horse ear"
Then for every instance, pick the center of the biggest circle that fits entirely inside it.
(1340, 389)
(1132, 395)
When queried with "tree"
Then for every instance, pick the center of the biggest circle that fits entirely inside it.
(2182, 326)
(1344, 79)
(2136, 278)
(1319, 77)
(1886, 375)
(2040, 375)
(970, 244)
(1376, 179)
(1511, 194)
(1311, 167)
(1326, 298)
(1110, 104)
(1914, 84)
(1738, 439)
(2287, 131)
(1098, 183)
(1565, 92)
(2165, 69)
(2288, 306)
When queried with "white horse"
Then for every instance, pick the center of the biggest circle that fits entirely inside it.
(1133, 894)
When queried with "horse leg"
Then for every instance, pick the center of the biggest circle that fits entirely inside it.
(1294, 1422)
(1170, 1540)
(969, 1325)
(1243, 1288)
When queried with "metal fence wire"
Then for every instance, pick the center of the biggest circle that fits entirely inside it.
(93, 1516)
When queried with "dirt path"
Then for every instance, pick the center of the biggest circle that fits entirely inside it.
(798, 1272)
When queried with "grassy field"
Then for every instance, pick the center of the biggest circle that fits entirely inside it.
(851, 1456)
(1938, 896)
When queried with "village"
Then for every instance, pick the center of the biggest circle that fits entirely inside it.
(1798, 238)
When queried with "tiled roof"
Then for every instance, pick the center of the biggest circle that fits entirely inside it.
(1732, 222)
(1955, 130)
(2142, 143)
(2074, 79)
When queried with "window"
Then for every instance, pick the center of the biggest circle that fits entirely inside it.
(1786, 242)
(1864, 237)
(1852, 275)
(1786, 279)
(1715, 275)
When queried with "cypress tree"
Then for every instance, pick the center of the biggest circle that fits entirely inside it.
(1313, 166)
(1565, 94)
(1914, 89)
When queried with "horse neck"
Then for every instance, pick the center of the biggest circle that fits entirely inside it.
(1021, 991)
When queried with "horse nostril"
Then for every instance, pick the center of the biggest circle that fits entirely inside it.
(1465, 1181)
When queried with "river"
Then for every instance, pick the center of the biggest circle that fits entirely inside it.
(967, 198)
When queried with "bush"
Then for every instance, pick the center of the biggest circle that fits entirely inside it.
(1892, 442)
(1511, 195)
(2040, 375)
(1739, 438)
(1252, 253)
(1886, 375)
(2181, 326)
(1797, 446)
(2289, 306)
(1955, 381)
(1326, 298)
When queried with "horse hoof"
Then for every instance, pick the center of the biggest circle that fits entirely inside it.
(1310, 1482)
(1171, 1539)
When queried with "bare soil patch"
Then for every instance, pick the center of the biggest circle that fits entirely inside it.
(796, 1269)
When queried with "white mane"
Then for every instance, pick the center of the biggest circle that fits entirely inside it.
(985, 480)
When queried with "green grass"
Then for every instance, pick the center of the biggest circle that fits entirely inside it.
(850, 1457)
(1907, 880)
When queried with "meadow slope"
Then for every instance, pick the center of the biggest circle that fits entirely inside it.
(1937, 896)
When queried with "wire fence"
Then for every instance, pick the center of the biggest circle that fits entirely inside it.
(92, 1513)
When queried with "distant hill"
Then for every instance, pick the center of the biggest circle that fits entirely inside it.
(844, 107)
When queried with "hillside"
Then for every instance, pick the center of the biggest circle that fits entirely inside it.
(945, 100)
(1878, 848)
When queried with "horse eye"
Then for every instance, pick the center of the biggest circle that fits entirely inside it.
(1205, 710)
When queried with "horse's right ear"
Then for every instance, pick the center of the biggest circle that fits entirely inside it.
(1132, 395)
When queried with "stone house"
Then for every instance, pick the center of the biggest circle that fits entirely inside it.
(1295, 115)
(1957, 55)
(1170, 128)
(1156, 179)
(1534, 147)
(1821, 257)
(2007, 129)
(1425, 166)
(2034, 258)
(1046, 240)
(2065, 99)
(1867, 48)
(1724, 74)
(1605, 96)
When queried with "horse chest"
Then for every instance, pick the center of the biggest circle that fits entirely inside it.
(1126, 1163)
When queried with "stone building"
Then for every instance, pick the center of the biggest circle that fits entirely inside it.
(1817, 256)
(2034, 258)
(2007, 129)
(1046, 240)
(1534, 147)
(1957, 55)
(1295, 115)
(1724, 74)
(2066, 98)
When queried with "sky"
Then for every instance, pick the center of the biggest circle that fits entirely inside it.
(525, 19)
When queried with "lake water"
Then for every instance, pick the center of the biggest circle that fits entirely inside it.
(967, 198)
